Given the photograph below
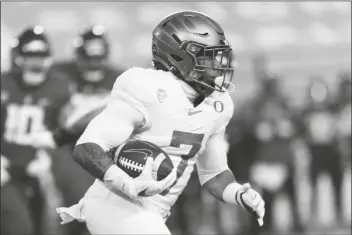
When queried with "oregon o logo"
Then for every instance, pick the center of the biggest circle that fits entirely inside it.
(218, 106)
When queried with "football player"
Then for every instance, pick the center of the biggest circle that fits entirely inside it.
(31, 97)
(342, 109)
(319, 130)
(183, 106)
(91, 81)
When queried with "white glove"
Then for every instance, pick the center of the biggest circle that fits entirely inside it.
(144, 185)
(43, 139)
(251, 201)
(5, 176)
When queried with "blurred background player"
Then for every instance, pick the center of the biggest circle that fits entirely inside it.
(261, 136)
(320, 134)
(91, 81)
(275, 130)
(342, 109)
(32, 95)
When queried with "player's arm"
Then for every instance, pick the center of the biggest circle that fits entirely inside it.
(219, 181)
(125, 111)
(110, 128)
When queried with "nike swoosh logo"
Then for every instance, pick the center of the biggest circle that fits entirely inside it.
(145, 152)
(194, 112)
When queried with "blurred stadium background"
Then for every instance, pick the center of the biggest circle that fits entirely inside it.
(295, 40)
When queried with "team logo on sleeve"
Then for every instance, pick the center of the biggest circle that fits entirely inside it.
(161, 95)
(218, 106)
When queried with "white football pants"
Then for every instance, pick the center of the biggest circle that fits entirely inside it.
(107, 213)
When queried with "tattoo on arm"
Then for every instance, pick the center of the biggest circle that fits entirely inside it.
(93, 158)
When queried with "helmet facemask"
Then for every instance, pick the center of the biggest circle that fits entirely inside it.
(92, 51)
(193, 47)
(211, 66)
(92, 69)
(34, 60)
(35, 69)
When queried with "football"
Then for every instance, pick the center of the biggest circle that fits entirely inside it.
(131, 157)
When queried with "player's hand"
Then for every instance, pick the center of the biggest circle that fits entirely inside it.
(43, 139)
(5, 176)
(146, 185)
(251, 201)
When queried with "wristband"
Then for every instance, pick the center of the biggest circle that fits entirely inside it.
(230, 192)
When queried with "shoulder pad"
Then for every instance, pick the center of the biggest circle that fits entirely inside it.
(136, 82)
(134, 87)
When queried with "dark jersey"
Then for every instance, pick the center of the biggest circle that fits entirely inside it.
(71, 71)
(319, 124)
(26, 110)
(274, 129)
(342, 111)
(86, 98)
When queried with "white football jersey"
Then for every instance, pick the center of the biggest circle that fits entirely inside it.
(171, 121)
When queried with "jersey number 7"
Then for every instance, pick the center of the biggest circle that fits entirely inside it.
(192, 139)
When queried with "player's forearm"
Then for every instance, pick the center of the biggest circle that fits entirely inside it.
(216, 185)
(100, 164)
(93, 158)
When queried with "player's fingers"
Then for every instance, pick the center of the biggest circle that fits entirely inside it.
(246, 187)
(260, 222)
(261, 204)
(148, 167)
(168, 181)
(251, 199)
(147, 186)
(153, 189)
(256, 200)
(260, 212)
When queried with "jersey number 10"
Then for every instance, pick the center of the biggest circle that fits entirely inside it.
(192, 139)
(21, 121)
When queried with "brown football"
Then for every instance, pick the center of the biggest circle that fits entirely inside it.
(131, 157)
